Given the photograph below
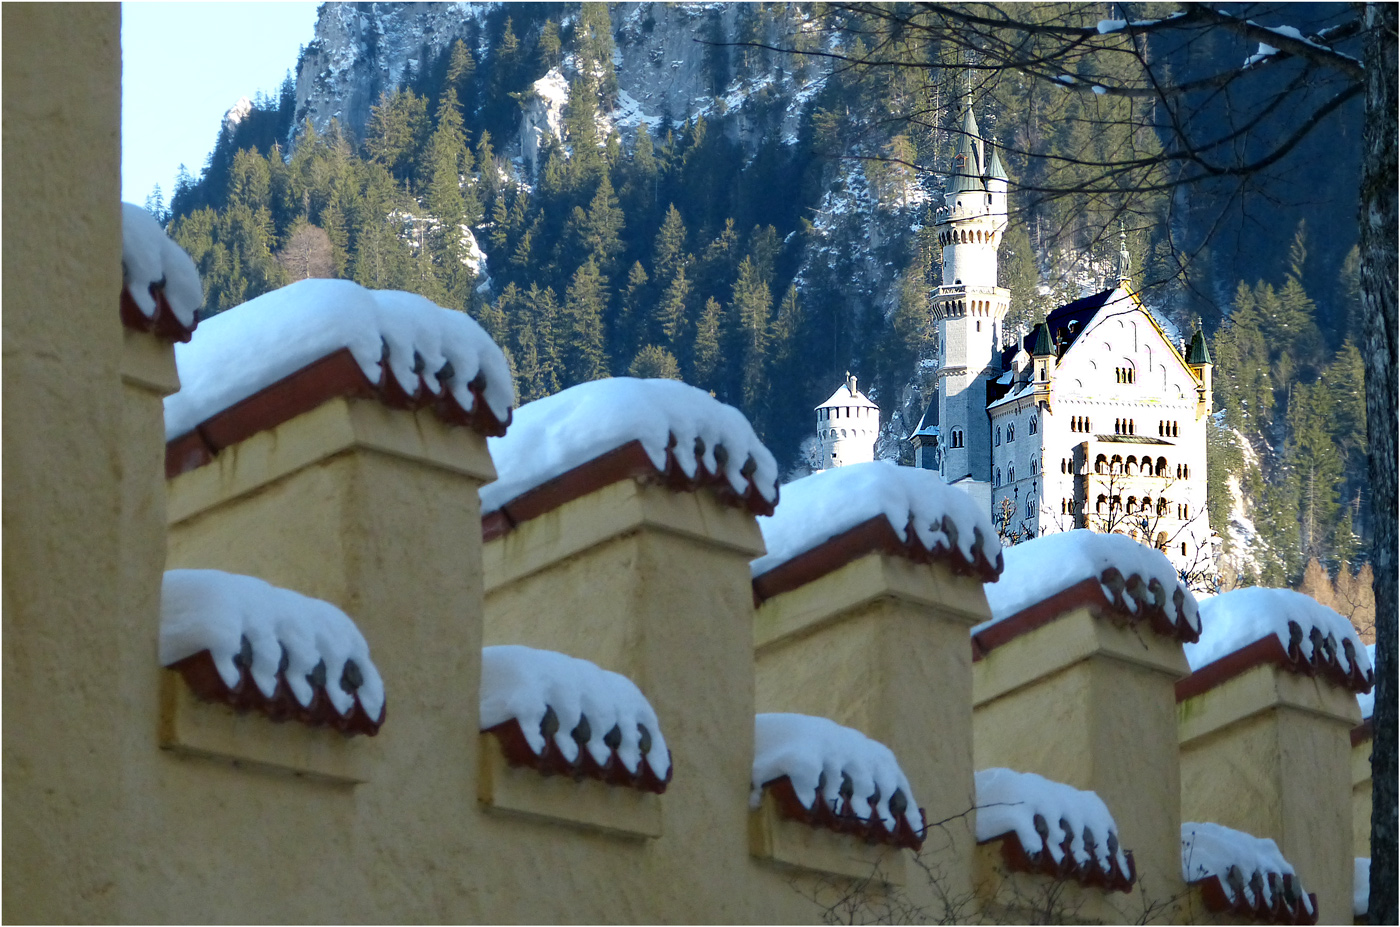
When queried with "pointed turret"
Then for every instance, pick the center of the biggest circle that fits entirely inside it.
(1198, 353)
(1198, 359)
(968, 161)
(1043, 346)
(994, 169)
(1125, 271)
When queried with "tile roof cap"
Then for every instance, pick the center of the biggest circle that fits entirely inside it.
(399, 340)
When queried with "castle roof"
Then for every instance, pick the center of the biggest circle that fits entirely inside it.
(1043, 345)
(967, 162)
(928, 424)
(848, 395)
(994, 169)
(1198, 353)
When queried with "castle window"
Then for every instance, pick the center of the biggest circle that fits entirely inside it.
(1100, 503)
(1032, 426)
(1183, 548)
(1116, 503)
(1162, 466)
(996, 477)
(1100, 463)
(997, 439)
(1011, 474)
(1030, 506)
(1010, 432)
(1035, 466)
(1162, 507)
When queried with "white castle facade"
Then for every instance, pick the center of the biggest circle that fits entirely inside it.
(1093, 420)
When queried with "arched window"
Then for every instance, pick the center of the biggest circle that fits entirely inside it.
(1100, 503)
(1030, 506)
(1010, 432)
(1186, 471)
(1011, 474)
(996, 477)
(1132, 504)
(1116, 503)
(997, 440)
(1032, 425)
(1183, 548)
(1162, 466)
(1162, 507)
(1116, 464)
(1035, 466)
(1100, 463)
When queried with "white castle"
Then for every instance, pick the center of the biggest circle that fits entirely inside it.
(1093, 420)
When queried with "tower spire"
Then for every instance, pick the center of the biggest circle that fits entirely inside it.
(1125, 273)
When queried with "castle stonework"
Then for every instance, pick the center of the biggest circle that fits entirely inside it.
(1093, 420)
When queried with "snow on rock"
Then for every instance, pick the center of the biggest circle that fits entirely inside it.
(526, 685)
(1241, 617)
(275, 634)
(1361, 886)
(1235, 858)
(543, 115)
(1011, 802)
(551, 436)
(816, 754)
(239, 352)
(237, 113)
(1039, 568)
(151, 259)
(819, 507)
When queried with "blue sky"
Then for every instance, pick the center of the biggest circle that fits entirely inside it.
(183, 66)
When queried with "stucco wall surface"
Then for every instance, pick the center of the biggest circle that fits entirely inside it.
(65, 643)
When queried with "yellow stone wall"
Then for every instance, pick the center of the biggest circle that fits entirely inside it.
(1361, 798)
(862, 645)
(1269, 752)
(1092, 705)
(66, 638)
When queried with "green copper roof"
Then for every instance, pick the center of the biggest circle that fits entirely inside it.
(1043, 345)
(994, 169)
(1198, 353)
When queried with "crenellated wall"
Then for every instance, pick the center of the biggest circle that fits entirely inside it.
(128, 798)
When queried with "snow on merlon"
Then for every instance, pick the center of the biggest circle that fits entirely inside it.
(1250, 869)
(569, 698)
(279, 637)
(817, 754)
(819, 507)
(1039, 568)
(1366, 701)
(1361, 886)
(1036, 810)
(150, 258)
(551, 436)
(252, 346)
(1241, 617)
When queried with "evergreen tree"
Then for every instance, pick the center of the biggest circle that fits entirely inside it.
(586, 357)
(547, 50)
(668, 252)
(670, 319)
(654, 362)
(705, 352)
(751, 305)
(397, 130)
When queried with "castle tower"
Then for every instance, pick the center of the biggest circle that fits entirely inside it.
(969, 306)
(847, 425)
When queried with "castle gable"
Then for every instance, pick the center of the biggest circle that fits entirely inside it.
(1117, 344)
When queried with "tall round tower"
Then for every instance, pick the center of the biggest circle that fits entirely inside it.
(969, 306)
(847, 425)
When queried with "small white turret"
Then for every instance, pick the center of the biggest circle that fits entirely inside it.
(847, 425)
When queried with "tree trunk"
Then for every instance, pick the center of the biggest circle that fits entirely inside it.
(1378, 269)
